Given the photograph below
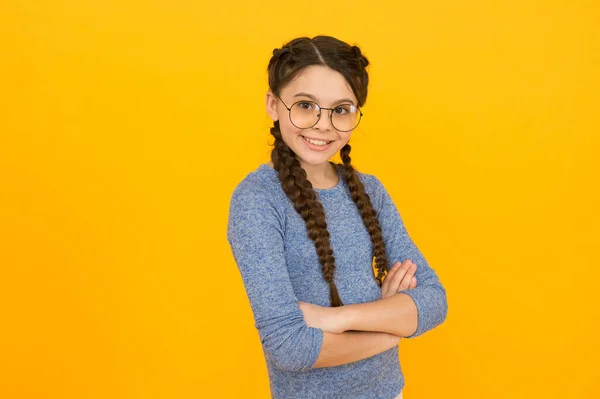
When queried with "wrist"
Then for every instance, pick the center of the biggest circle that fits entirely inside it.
(346, 315)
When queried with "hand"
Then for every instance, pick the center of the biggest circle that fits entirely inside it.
(395, 339)
(400, 277)
(326, 318)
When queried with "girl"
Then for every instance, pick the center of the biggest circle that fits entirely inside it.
(314, 240)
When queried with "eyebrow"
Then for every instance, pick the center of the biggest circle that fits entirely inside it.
(343, 100)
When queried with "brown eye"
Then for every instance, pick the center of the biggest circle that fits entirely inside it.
(343, 109)
(305, 105)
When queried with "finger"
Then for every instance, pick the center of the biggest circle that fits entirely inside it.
(390, 273)
(399, 275)
(386, 286)
(406, 280)
(413, 283)
(394, 269)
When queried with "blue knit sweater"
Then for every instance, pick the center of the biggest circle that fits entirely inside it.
(279, 266)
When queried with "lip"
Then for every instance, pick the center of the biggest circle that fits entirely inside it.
(318, 148)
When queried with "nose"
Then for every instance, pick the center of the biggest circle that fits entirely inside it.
(324, 122)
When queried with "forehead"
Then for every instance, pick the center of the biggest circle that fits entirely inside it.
(325, 84)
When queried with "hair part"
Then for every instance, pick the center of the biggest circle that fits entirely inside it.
(285, 63)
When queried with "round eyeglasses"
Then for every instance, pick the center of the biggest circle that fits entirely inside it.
(305, 114)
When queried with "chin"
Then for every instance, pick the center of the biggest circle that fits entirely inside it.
(315, 162)
(316, 158)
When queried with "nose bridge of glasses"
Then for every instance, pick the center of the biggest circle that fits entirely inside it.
(329, 120)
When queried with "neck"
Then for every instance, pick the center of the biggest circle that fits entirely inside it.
(319, 173)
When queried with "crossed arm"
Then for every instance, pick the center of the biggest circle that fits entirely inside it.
(397, 314)
(357, 331)
(351, 346)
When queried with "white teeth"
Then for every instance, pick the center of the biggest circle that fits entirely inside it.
(315, 142)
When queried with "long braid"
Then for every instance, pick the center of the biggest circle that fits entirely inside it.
(299, 189)
(368, 213)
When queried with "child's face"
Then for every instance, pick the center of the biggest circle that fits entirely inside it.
(329, 89)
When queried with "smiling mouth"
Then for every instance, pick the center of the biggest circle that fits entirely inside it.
(317, 142)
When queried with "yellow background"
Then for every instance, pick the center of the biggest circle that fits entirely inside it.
(124, 127)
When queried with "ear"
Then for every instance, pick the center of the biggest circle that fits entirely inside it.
(271, 105)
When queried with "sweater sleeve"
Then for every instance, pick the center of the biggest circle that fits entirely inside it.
(256, 235)
(429, 295)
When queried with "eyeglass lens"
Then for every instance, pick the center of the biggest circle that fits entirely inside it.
(305, 114)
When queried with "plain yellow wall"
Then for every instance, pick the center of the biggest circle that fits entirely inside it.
(124, 127)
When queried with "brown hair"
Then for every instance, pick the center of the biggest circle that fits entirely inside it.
(284, 65)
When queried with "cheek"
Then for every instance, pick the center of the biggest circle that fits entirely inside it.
(343, 140)
(288, 130)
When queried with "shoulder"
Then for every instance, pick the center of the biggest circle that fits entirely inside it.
(257, 190)
(372, 184)
(374, 188)
(255, 207)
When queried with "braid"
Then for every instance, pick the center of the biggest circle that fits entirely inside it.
(368, 213)
(298, 188)
(364, 61)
